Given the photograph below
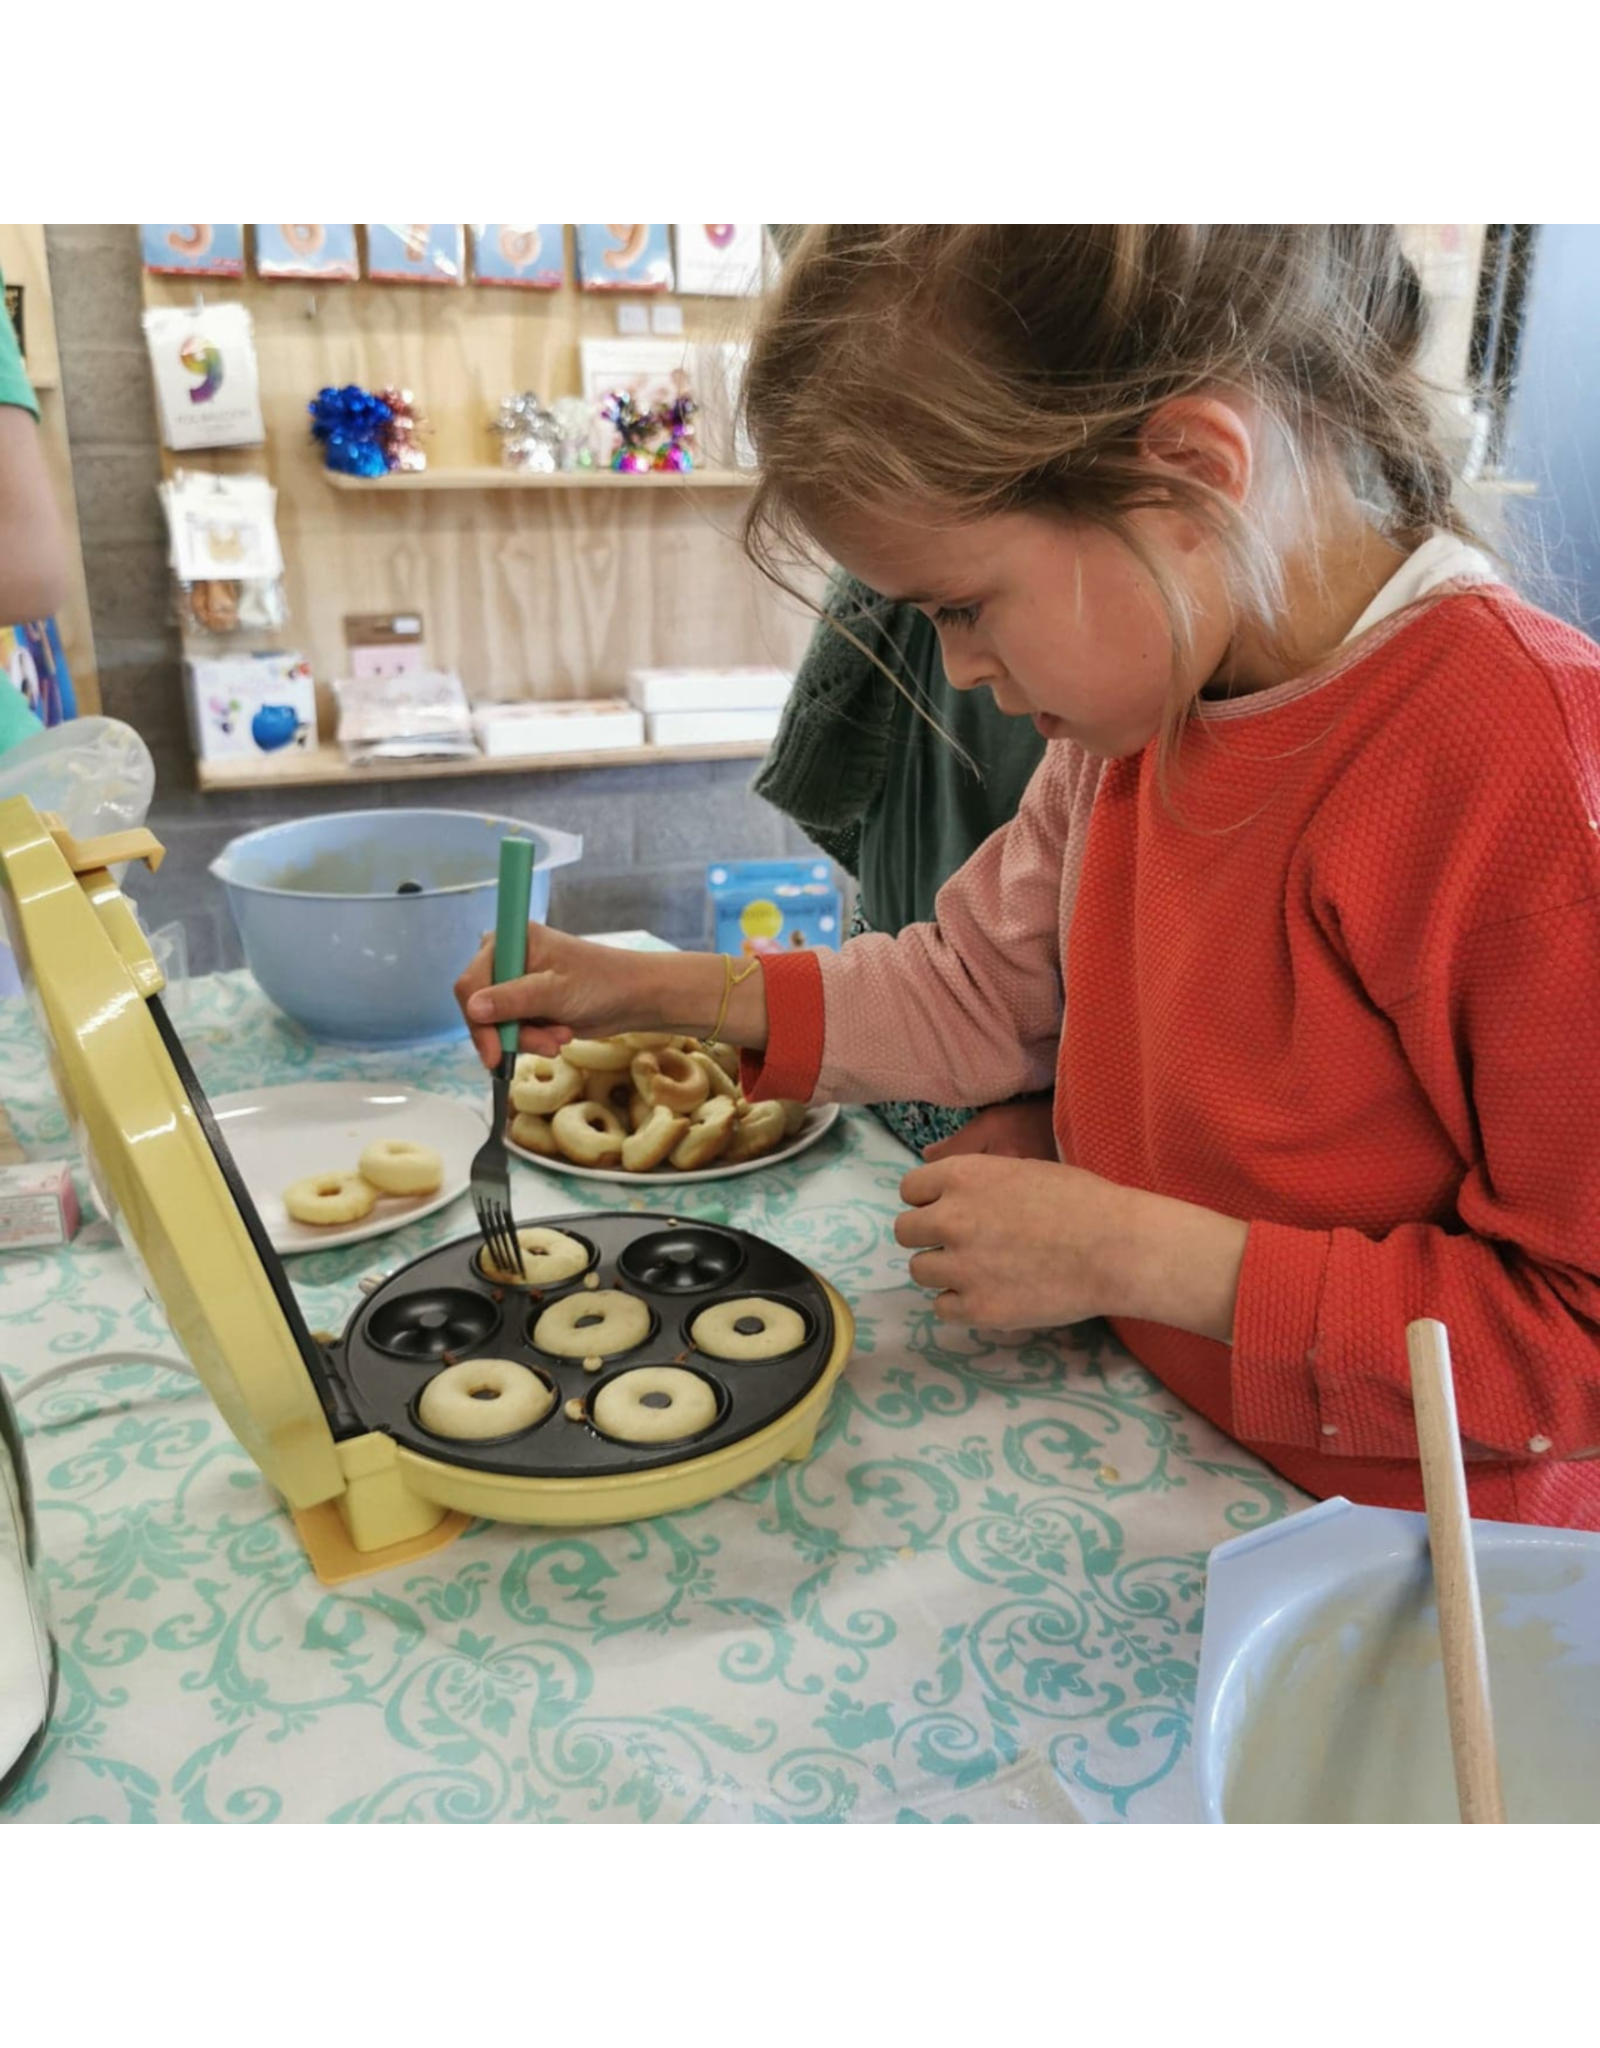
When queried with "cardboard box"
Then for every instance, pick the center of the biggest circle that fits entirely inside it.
(385, 644)
(710, 728)
(670, 690)
(773, 906)
(250, 704)
(581, 725)
(38, 1206)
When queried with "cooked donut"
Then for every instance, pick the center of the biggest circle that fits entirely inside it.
(597, 1055)
(646, 1041)
(654, 1404)
(749, 1328)
(541, 1085)
(588, 1134)
(717, 1082)
(709, 1134)
(639, 1110)
(794, 1116)
(757, 1132)
(533, 1134)
(611, 1086)
(330, 1199)
(548, 1258)
(397, 1167)
(597, 1325)
(726, 1056)
(654, 1139)
(483, 1397)
(670, 1080)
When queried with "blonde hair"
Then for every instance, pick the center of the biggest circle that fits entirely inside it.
(967, 371)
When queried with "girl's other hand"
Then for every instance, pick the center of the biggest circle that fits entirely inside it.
(1024, 1244)
(1011, 1130)
(572, 989)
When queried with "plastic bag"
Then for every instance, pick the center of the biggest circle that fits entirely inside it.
(96, 774)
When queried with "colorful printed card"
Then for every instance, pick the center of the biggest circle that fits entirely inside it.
(719, 261)
(414, 255)
(613, 258)
(206, 250)
(207, 388)
(324, 251)
(533, 257)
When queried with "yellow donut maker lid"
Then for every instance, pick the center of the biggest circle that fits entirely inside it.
(163, 1173)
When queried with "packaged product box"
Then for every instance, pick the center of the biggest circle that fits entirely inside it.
(773, 906)
(250, 704)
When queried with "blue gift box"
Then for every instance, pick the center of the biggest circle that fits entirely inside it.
(773, 906)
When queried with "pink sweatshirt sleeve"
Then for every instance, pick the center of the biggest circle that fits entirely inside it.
(966, 1010)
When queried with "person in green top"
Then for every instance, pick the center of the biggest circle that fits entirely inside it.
(858, 765)
(32, 557)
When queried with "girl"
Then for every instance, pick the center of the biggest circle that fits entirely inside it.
(1301, 912)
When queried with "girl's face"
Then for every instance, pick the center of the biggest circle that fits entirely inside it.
(1061, 623)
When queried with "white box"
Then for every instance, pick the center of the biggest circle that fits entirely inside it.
(709, 689)
(710, 728)
(578, 726)
(250, 704)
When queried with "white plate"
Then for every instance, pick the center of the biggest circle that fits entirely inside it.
(817, 1125)
(279, 1135)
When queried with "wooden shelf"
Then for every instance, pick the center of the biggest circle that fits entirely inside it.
(488, 478)
(327, 764)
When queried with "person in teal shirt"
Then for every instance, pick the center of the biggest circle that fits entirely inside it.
(33, 562)
(32, 555)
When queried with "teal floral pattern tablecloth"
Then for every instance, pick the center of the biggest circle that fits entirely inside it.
(980, 1599)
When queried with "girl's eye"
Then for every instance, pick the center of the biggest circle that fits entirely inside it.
(957, 615)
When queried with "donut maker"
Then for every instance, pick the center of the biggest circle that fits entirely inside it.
(332, 1421)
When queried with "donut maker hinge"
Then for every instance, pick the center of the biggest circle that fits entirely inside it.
(343, 1419)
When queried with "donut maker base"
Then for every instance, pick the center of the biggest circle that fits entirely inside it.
(331, 1421)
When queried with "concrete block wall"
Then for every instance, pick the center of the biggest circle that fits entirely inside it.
(648, 831)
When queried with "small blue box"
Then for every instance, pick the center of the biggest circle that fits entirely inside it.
(773, 906)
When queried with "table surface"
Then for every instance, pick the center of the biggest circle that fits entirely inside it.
(980, 1599)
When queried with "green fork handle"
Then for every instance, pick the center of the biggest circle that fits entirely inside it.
(511, 922)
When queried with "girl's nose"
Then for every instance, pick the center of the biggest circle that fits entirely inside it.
(966, 668)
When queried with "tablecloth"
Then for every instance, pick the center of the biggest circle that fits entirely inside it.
(980, 1599)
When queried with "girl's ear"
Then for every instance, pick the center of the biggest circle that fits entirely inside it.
(1207, 440)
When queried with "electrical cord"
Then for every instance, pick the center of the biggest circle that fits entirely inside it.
(69, 1366)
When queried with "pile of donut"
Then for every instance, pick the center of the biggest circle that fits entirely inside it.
(390, 1166)
(642, 1101)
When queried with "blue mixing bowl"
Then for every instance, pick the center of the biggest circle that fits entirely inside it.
(358, 923)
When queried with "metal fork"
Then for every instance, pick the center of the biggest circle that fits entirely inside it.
(491, 1168)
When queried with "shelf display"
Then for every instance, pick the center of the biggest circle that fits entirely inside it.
(528, 597)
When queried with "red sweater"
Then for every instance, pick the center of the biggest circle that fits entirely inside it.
(1343, 982)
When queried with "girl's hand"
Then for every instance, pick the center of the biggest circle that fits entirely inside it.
(572, 989)
(1012, 1244)
(1011, 1130)
(575, 989)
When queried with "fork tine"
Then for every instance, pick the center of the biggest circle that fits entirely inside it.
(510, 1256)
(489, 1226)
